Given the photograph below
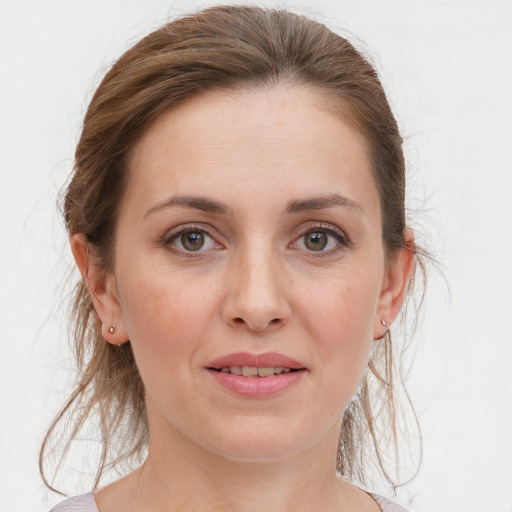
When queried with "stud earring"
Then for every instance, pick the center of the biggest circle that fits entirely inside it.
(111, 329)
(383, 322)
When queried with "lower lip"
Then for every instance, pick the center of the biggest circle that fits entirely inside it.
(257, 387)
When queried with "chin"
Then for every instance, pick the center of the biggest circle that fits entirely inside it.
(265, 441)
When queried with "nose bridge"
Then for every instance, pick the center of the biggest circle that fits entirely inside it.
(257, 298)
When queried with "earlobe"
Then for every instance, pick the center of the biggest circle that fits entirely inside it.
(395, 285)
(102, 289)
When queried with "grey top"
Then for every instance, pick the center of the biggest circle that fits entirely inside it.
(86, 503)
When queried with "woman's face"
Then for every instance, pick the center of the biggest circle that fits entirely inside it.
(249, 240)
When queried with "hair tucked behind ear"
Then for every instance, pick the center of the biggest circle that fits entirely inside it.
(218, 48)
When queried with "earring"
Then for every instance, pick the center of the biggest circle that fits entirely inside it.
(111, 329)
(383, 322)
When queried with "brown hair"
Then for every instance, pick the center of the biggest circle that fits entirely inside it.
(218, 48)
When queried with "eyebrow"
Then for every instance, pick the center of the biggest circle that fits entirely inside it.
(322, 202)
(205, 204)
(193, 202)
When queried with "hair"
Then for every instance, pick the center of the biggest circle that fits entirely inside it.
(219, 48)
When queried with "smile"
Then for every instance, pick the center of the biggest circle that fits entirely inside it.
(256, 375)
(250, 364)
(254, 371)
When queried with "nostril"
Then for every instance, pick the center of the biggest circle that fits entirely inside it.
(255, 326)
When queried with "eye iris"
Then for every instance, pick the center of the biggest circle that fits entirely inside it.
(316, 241)
(192, 241)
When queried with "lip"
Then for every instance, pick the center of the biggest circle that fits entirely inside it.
(256, 387)
(259, 360)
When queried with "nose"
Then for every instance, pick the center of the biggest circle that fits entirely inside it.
(256, 295)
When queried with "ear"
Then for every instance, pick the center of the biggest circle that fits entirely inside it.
(395, 285)
(102, 287)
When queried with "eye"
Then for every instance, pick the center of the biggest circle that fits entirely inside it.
(316, 241)
(321, 239)
(190, 239)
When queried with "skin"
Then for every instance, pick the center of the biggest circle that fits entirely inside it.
(254, 286)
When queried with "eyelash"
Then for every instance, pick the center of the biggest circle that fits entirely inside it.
(341, 238)
(328, 229)
(169, 238)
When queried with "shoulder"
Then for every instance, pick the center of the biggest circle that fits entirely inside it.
(387, 505)
(83, 503)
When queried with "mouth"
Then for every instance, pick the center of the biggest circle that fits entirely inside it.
(256, 376)
(255, 371)
(264, 365)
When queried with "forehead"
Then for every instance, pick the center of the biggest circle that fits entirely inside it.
(279, 138)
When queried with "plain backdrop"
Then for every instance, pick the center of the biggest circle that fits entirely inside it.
(447, 68)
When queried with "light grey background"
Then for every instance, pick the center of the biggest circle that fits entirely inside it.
(447, 69)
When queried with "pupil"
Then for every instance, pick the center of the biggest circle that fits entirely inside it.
(192, 241)
(316, 241)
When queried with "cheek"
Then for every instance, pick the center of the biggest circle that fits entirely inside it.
(164, 316)
(344, 311)
(340, 319)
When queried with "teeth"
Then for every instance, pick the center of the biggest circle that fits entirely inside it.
(265, 372)
(249, 371)
(253, 371)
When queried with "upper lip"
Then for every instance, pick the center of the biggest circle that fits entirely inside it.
(265, 360)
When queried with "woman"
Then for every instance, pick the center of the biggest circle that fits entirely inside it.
(237, 216)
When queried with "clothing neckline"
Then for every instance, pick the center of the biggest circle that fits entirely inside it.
(385, 504)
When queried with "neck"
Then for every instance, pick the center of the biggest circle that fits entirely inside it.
(180, 475)
(187, 480)
(177, 479)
